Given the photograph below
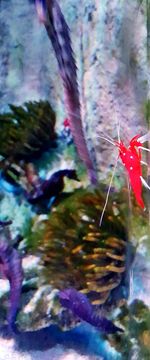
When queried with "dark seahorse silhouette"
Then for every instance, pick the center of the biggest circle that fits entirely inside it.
(51, 187)
(11, 267)
(5, 223)
(79, 304)
(57, 29)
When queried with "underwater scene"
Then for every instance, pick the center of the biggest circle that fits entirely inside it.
(75, 180)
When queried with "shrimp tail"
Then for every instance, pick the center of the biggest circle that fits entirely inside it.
(58, 32)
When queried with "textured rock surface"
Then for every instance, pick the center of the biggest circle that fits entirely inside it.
(109, 41)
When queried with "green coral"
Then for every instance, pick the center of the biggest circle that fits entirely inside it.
(27, 130)
(136, 319)
(76, 251)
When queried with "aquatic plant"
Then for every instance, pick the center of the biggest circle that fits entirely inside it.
(76, 252)
(136, 319)
(27, 130)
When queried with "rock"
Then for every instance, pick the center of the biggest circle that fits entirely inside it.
(37, 313)
(109, 43)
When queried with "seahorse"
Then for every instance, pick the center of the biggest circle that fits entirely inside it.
(11, 266)
(50, 15)
(51, 187)
(79, 304)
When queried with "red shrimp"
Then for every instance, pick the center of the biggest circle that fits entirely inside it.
(132, 160)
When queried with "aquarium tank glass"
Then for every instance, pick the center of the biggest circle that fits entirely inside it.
(75, 180)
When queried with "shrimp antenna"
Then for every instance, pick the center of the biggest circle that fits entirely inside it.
(129, 194)
(144, 182)
(144, 138)
(107, 136)
(143, 148)
(110, 140)
(144, 163)
(108, 192)
(118, 131)
(103, 137)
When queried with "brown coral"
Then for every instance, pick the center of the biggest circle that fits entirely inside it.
(77, 252)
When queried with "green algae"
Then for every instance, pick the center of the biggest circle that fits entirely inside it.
(27, 130)
(135, 318)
